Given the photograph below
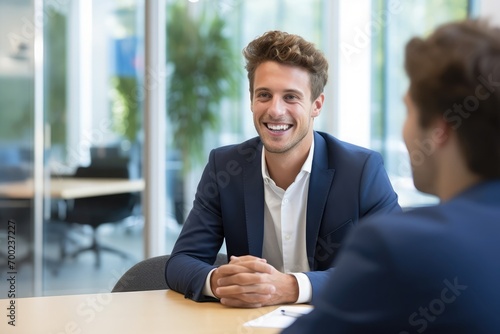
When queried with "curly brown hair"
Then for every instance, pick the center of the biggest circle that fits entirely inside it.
(455, 74)
(291, 50)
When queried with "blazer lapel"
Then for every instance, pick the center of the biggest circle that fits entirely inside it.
(253, 188)
(319, 186)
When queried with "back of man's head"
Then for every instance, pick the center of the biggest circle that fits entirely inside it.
(455, 74)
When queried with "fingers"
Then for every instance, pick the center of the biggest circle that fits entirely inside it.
(246, 281)
(256, 288)
(232, 269)
(237, 290)
(228, 270)
(236, 259)
(246, 296)
(245, 290)
(242, 279)
(253, 264)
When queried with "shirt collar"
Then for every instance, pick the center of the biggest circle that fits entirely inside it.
(306, 167)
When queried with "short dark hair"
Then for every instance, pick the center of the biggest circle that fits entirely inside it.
(455, 74)
(287, 49)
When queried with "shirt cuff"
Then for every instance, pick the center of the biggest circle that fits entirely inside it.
(207, 289)
(305, 288)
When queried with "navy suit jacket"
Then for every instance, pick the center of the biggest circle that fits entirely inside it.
(429, 270)
(347, 182)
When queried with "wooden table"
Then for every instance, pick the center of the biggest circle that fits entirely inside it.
(67, 187)
(160, 311)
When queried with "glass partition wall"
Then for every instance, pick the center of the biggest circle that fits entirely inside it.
(17, 131)
(71, 124)
(93, 70)
(397, 22)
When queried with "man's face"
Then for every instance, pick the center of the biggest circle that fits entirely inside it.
(282, 109)
(421, 146)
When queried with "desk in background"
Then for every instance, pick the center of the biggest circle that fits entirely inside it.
(160, 311)
(68, 188)
(59, 188)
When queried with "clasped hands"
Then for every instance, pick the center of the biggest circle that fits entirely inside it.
(249, 281)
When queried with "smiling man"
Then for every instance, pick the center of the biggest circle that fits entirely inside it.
(283, 201)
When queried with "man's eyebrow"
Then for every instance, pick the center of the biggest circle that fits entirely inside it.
(295, 91)
(290, 90)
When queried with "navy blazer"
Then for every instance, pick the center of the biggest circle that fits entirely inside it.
(347, 182)
(429, 270)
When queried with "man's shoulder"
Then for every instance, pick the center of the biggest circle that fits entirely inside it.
(424, 223)
(335, 144)
(247, 150)
(341, 154)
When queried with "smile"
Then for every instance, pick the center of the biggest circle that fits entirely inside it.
(278, 127)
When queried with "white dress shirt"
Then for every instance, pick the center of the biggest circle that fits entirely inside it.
(285, 211)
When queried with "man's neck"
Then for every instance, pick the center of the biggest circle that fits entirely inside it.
(454, 176)
(283, 168)
(450, 186)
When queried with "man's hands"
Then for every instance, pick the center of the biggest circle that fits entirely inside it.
(249, 281)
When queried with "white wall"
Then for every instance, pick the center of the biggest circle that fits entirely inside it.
(351, 83)
(490, 9)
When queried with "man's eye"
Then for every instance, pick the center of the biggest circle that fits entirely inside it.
(263, 95)
(290, 97)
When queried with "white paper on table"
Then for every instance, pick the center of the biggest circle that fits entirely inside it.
(275, 319)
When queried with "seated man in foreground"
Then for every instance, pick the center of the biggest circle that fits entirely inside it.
(434, 269)
(283, 201)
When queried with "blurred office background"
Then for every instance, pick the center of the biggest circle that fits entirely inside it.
(150, 87)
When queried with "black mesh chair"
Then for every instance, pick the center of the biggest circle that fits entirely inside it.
(20, 210)
(99, 210)
(149, 274)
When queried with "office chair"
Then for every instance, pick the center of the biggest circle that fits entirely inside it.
(19, 210)
(99, 210)
(149, 274)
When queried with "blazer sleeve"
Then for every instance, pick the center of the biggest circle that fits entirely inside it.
(199, 241)
(376, 194)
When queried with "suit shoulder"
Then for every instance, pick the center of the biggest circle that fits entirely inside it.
(341, 153)
(417, 223)
(247, 150)
(336, 145)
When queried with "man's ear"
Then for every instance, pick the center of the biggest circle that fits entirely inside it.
(317, 105)
(440, 131)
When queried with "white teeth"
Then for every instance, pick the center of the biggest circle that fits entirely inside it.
(282, 127)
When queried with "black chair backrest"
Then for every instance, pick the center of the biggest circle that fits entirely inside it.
(11, 173)
(149, 274)
(102, 209)
(103, 171)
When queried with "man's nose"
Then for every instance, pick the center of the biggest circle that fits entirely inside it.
(276, 107)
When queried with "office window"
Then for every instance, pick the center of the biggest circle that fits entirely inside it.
(16, 145)
(389, 81)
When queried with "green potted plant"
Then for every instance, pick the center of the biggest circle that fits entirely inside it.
(203, 72)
